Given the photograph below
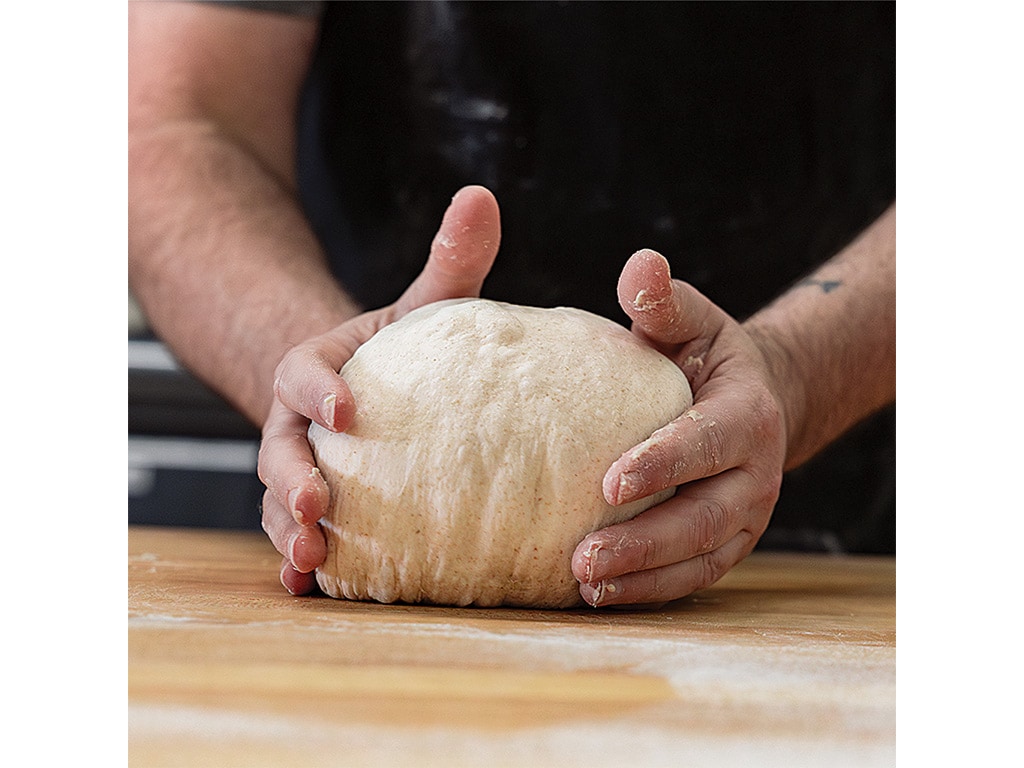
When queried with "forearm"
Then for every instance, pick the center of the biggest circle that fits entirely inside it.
(830, 341)
(221, 258)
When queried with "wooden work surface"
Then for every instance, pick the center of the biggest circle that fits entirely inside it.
(788, 660)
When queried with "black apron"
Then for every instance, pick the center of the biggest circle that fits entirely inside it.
(745, 142)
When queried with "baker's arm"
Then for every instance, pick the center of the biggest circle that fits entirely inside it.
(768, 394)
(221, 258)
(830, 341)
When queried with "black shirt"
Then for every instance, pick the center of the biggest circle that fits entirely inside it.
(745, 142)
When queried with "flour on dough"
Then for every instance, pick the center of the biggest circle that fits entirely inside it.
(474, 464)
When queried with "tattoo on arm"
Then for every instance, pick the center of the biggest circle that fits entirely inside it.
(827, 286)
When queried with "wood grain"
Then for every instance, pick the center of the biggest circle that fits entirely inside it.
(788, 660)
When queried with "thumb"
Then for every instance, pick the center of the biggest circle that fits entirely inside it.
(666, 311)
(462, 252)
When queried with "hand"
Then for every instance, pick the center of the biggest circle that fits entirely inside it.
(726, 453)
(307, 385)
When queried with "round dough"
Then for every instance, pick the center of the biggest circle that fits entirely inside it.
(474, 464)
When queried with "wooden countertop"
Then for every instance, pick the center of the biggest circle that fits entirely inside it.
(789, 660)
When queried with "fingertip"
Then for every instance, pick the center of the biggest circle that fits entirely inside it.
(623, 483)
(610, 487)
(308, 383)
(591, 594)
(306, 550)
(470, 231)
(477, 194)
(345, 412)
(652, 259)
(336, 409)
(587, 561)
(476, 202)
(663, 310)
(601, 594)
(580, 562)
(645, 282)
(325, 411)
(296, 582)
(308, 502)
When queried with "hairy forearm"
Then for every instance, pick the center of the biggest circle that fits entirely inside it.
(830, 341)
(222, 260)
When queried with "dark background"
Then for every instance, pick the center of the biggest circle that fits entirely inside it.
(781, 122)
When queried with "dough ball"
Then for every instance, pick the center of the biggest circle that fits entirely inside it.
(473, 467)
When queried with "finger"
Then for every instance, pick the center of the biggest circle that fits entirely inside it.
(307, 380)
(303, 546)
(667, 311)
(671, 582)
(462, 252)
(296, 582)
(698, 519)
(286, 466)
(697, 444)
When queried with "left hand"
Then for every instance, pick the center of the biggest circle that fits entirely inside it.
(726, 452)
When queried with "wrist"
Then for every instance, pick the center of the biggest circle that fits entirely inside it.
(784, 382)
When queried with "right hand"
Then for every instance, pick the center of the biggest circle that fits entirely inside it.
(308, 387)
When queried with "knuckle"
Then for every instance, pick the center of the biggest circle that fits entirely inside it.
(300, 358)
(659, 584)
(712, 448)
(268, 462)
(261, 461)
(265, 516)
(709, 525)
(768, 417)
(763, 511)
(286, 362)
(646, 553)
(632, 551)
(646, 586)
(713, 566)
(766, 486)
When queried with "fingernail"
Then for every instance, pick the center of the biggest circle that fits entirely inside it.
(293, 543)
(590, 554)
(630, 486)
(291, 547)
(286, 569)
(293, 505)
(591, 593)
(327, 408)
(595, 594)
